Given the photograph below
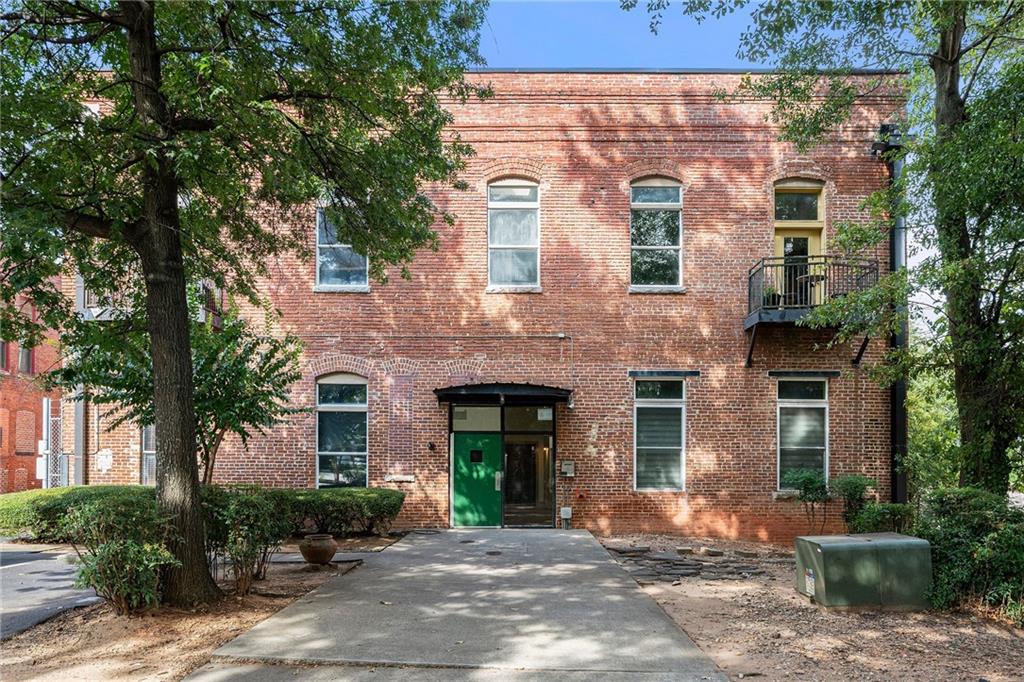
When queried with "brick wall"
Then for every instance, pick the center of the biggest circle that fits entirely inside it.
(584, 138)
(22, 421)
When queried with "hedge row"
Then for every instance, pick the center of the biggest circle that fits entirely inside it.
(42, 513)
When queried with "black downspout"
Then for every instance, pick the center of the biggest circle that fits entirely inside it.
(889, 147)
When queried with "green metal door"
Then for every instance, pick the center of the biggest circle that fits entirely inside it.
(476, 479)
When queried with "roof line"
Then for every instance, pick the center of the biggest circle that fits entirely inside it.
(656, 70)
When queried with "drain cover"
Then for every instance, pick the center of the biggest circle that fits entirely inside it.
(493, 552)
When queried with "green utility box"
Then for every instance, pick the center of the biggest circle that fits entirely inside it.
(874, 570)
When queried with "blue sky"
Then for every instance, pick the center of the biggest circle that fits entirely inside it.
(563, 34)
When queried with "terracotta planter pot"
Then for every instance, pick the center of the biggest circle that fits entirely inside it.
(318, 548)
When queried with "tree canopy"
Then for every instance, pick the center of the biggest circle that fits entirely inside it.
(961, 192)
(147, 145)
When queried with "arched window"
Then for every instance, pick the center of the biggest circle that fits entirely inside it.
(341, 431)
(656, 234)
(513, 234)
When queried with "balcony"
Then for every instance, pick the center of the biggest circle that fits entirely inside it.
(781, 290)
(784, 289)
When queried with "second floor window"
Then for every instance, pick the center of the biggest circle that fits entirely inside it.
(3, 355)
(513, 234)
(26, 360)
(656, 234)
(337, 265)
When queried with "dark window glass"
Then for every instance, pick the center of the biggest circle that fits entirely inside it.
(654, 228)
(796, 205)
(664, 390)
(655, 267)
(342, 394)
(341, 471)
(659, 427)
(655, 195)
(341, 431)
(25, 360)
(530, 418)
(801, 390)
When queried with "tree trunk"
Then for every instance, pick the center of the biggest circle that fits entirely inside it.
(158, 243)
(983, 452)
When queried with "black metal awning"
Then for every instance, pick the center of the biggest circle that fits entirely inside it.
(503, 394)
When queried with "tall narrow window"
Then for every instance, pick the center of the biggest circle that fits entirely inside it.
(341, 431)
(148, 474)
(513, 234)
(338, 267)
(26, 360)
(803, 427)
(659, 435)
(3, 355)
(656, 234)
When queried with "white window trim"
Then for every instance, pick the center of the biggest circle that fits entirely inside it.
(783, 402)
(348, 379)
(532, 287)
(144, 453)
(678, 287)
(658, 402)
(317, 286)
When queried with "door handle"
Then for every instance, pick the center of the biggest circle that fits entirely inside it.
(497, 481)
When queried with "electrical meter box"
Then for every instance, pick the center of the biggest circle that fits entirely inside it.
(869, 570)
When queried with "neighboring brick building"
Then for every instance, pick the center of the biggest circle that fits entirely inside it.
(25, 412)
(610, 307)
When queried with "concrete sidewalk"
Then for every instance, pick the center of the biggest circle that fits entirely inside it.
(473, 604)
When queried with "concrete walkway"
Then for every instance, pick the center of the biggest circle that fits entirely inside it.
(473, 605)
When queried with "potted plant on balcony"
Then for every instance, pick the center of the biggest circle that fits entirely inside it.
(770, 298)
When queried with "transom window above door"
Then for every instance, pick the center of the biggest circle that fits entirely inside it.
(656, 235)
(799, 203)
(513, 235)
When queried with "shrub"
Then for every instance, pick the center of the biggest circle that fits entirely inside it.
(339, 510)
(977, 543)
(121, 539)
(812, 492)
(245, 524)
(125, 573)
(853, 490)
(41, 513)
(886, 517)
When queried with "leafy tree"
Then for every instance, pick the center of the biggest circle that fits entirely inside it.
(963, 181)
(240, 380)
(218, 126)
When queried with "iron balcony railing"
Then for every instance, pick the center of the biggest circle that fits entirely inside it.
(795, 282)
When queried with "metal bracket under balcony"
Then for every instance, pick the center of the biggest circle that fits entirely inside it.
(781, 290)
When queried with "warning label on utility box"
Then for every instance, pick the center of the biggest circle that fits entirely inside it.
(809, 581)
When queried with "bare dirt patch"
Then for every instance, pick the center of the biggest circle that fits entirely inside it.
(753, 623)
(162, 644)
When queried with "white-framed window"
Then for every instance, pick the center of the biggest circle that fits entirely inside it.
(513, 234)
(656, 234)
(147, 475)
(338, 267)
(341, 431)
(802, 424)
(659, 435)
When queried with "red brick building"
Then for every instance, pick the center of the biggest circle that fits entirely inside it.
(25, 414)
(606, 332)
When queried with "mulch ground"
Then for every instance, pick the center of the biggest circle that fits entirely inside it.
(741, 608)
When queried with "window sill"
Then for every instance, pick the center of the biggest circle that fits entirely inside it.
(642, 289)
(677, 491)
(785, 495)
(342, 288)
(512, 289)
